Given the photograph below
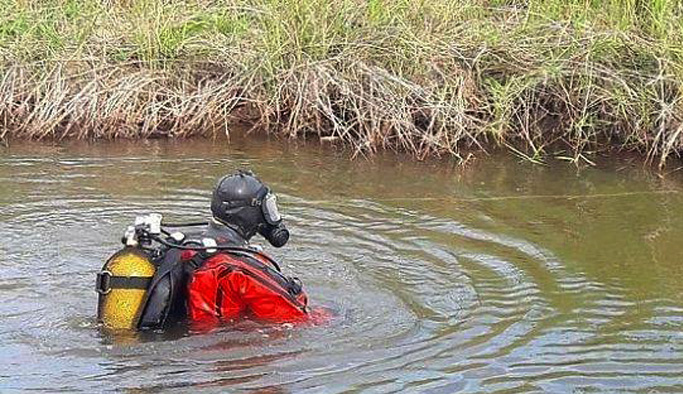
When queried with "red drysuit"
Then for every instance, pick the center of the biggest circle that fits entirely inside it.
(226, 287)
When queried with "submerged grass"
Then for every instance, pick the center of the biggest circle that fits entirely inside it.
(558, 77)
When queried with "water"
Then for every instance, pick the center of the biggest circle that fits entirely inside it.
(499, 277)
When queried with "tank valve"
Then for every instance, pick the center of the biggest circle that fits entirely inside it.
(154, 222)
(178, 237)
(129, 237)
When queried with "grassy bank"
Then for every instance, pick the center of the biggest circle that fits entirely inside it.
(560, 77)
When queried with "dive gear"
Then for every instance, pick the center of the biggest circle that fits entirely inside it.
(210, 245)
(242, 202)
(270, 211)
(277, 235)
(178, 237)
(223, 234)
(122, 285)
(165, 297)
(146, 287)
(189, 224)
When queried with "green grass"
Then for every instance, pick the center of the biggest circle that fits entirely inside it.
(544, 78)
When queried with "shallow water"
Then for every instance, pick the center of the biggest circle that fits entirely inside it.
(500, 277)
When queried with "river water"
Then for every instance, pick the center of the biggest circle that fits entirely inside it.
(498, 277)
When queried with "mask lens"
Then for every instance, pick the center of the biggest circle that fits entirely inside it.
(270, 211)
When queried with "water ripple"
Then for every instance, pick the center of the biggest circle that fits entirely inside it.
(424, 302)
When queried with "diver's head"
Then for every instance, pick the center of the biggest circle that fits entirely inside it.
(245, 204)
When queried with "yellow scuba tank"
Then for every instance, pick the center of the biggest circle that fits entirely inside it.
(122, 286)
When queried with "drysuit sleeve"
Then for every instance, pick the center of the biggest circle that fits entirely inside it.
(263, 303)
(226, 288)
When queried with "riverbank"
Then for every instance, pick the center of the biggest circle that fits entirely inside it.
(553, 78)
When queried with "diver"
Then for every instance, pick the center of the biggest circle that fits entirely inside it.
(208, 277)
(243, 206)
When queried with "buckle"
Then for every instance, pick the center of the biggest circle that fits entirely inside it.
(103, 282)
(295, 286)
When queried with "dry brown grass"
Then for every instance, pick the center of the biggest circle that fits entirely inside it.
(563, 79)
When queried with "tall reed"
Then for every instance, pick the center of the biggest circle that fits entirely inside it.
(562, 78)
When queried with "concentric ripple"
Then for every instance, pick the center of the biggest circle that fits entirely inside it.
(441, 281)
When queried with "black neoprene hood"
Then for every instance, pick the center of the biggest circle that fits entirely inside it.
(237, 200)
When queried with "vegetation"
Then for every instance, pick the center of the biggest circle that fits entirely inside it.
(556, 77)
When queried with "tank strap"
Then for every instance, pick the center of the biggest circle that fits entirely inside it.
(106, 281)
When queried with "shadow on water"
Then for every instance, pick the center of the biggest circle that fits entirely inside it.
(497, 277)
(128, 337)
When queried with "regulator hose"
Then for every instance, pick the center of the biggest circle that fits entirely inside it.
(189, 224)
(233, 249)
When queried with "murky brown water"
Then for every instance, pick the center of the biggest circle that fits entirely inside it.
(503, 277)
